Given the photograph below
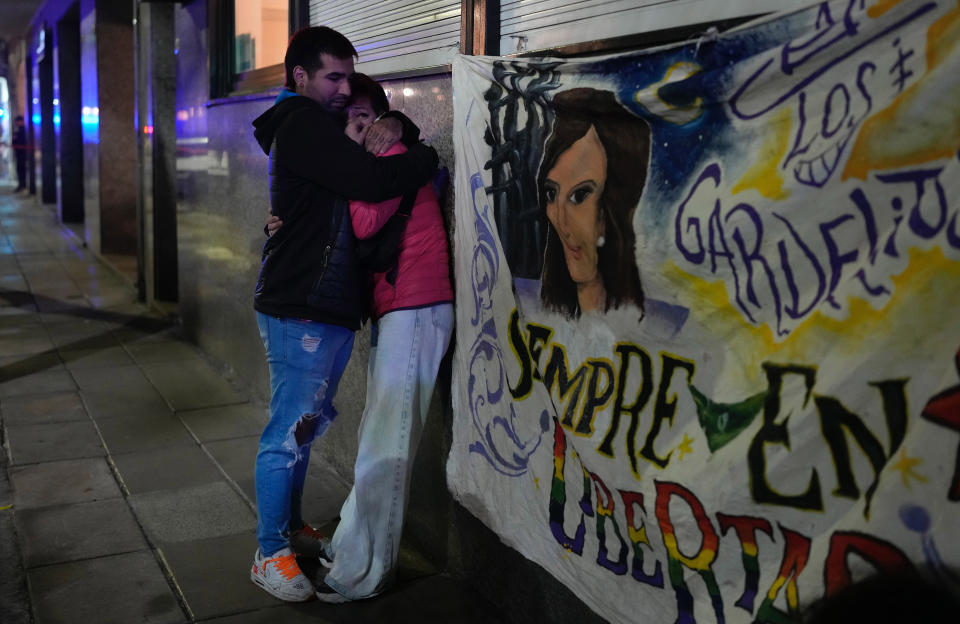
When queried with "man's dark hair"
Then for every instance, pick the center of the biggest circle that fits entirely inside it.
(307, 44)
(18, 118)
(362, 85)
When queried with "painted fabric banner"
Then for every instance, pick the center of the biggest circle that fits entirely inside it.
(708, 311)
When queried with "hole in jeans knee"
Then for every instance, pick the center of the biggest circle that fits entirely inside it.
(292, 444)
(305, 430)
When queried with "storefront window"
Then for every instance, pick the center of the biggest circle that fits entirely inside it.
(261, 33)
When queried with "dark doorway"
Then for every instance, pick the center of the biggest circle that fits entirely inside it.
(156, 77)
(48, 136)
(31, 128)
(70, 204)
(163, 69)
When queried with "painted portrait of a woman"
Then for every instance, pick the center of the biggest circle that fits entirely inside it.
(590, 181)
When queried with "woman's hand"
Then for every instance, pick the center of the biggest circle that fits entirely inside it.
(382, 134)
(357, 132)
(273, 224)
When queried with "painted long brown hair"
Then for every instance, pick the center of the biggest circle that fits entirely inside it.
(626, 140)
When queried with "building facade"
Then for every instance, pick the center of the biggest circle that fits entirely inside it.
(140, 116)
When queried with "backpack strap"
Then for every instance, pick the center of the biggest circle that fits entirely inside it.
(406, 207)
(406, 203)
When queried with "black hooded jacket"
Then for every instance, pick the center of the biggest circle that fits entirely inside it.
(308, 267)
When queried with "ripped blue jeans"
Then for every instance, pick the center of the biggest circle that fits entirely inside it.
(306, 362)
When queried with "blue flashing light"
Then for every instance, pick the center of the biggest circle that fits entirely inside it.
(36, 119)
(90, 117)
(56, 119)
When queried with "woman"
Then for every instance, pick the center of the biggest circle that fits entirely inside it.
(412, 316)
(591, 178)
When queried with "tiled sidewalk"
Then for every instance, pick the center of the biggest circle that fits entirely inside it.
(130, 461)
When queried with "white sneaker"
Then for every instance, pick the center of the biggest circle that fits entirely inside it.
(325, 593)
(281, 577)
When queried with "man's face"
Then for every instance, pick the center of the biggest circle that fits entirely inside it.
(329, 86)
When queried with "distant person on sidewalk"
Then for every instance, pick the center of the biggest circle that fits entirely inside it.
(310, 292)
(412, 316)
(19, 145)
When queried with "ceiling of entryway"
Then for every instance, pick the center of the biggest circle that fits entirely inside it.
(15, 17)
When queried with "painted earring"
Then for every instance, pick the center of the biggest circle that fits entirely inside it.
(600, 241)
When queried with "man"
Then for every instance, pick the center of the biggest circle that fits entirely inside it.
(310, 293)
(19, 145)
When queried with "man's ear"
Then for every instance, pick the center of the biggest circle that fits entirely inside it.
(299, 75)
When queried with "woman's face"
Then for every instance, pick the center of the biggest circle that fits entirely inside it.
(360, 115)
(572, 192)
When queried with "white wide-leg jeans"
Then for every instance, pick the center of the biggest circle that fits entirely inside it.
(405, 353)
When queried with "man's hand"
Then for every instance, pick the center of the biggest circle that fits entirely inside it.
(382, 134)
(273, 224)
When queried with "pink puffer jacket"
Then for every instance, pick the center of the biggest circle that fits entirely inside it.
(423, 271)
